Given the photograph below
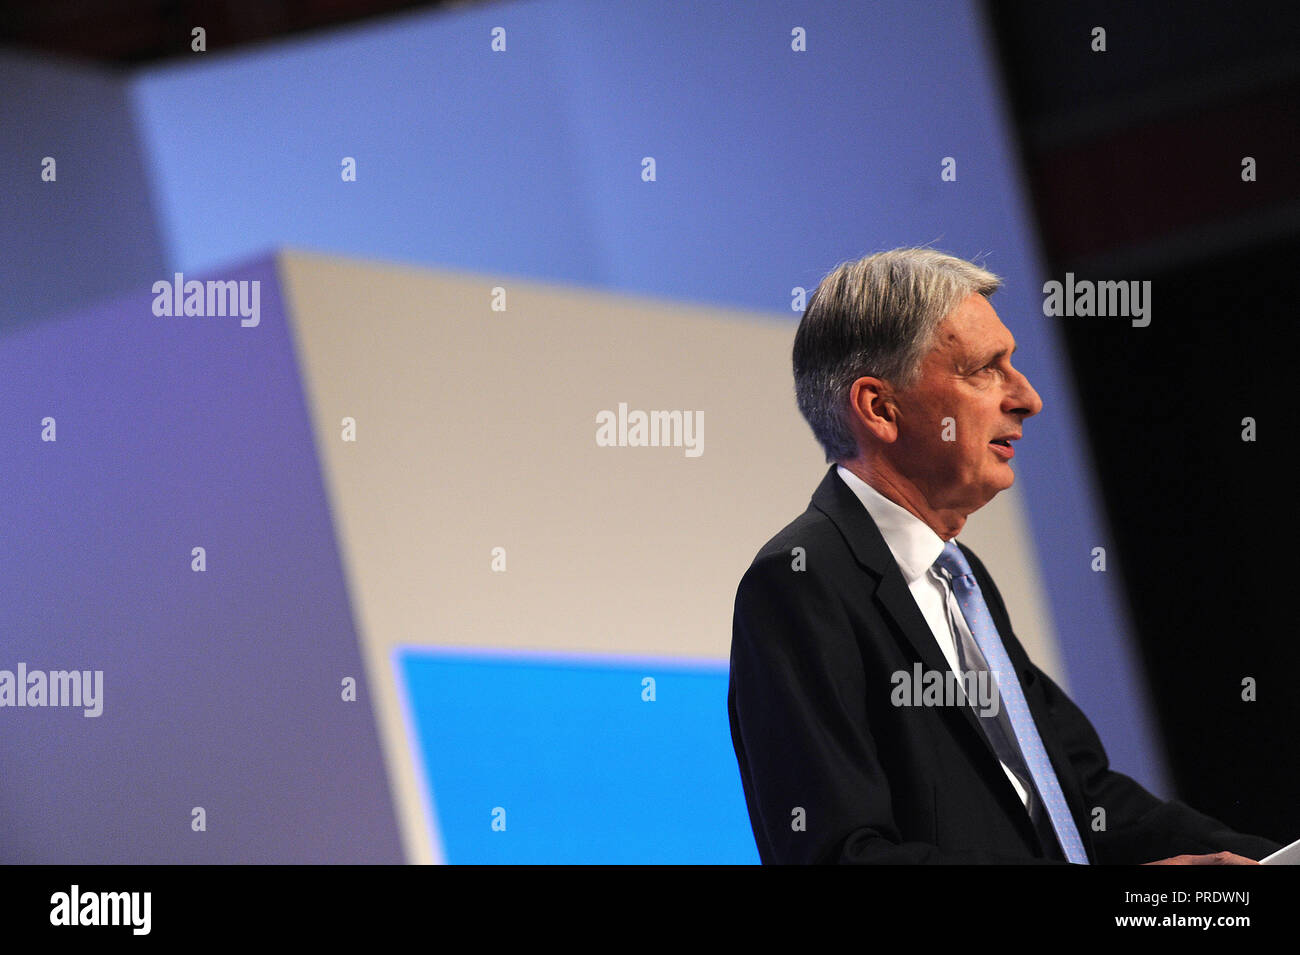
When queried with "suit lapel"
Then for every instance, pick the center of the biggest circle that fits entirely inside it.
(837, 501)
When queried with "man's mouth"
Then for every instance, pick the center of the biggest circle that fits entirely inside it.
(1002, 447)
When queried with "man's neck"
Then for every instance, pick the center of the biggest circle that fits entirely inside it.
(889, 484)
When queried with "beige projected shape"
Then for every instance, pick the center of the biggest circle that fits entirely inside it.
(476, 429)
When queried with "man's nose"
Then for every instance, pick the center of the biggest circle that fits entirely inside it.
(1024, 398)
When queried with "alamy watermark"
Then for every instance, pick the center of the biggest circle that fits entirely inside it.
(214, 298)
(651, 429)
(1086, 297)
(83, 688)
(922, 687)
(76, 907)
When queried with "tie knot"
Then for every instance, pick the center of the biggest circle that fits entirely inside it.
(953, 560)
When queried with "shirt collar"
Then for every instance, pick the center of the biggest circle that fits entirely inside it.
(913, 543)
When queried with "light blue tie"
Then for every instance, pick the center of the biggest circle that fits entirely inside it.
(982, 628)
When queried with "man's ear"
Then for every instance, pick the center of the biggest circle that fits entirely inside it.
(873, 410)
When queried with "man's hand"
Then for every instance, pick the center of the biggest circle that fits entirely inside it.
(1217, 858)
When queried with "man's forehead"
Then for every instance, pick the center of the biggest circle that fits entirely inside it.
(971, 329)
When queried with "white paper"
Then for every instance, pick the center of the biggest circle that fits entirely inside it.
(1290, 855)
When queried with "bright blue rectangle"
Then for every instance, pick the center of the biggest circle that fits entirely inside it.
(585, 767)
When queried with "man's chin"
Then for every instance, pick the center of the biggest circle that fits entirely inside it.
(996, 484)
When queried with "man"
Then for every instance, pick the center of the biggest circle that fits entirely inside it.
(904, 372)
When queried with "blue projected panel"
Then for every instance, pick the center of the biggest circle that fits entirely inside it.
(585, 769)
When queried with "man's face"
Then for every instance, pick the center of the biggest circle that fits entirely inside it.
(967, 377)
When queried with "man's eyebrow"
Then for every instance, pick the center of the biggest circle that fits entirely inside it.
(989, 357)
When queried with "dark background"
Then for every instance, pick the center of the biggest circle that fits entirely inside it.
(1133, 158)
(1133, 163)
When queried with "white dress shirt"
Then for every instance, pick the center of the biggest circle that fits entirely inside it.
(916, 547)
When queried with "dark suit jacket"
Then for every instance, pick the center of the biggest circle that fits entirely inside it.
(812, 656)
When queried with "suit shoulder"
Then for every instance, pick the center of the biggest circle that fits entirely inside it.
(811, 529)
(811, 544)
(795, 596)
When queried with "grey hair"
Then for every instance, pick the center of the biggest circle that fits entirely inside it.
(875, 317)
